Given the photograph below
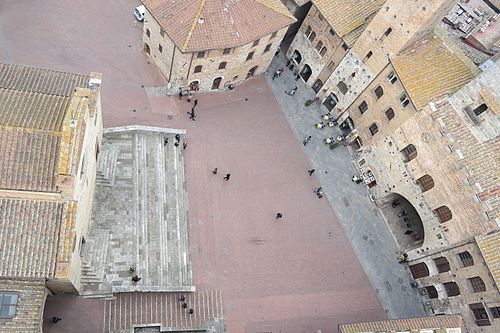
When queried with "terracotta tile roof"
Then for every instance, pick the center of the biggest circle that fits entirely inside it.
(29, 159)
(30, 303)
(490, 249)
(398, 325)
(44, 81)
(348, 17)
(431, 69)
(196, 25)
(29, 235)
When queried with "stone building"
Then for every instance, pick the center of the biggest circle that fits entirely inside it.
(431, 165)
(397, 25)
(328, 31)
(212, 45)
(442, 324)
(50, 134)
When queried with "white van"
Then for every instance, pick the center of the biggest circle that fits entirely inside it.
(139, 12)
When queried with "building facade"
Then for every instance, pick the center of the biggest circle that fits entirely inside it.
(50, 135)
(221, 46)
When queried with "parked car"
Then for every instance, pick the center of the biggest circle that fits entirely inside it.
(139, 12)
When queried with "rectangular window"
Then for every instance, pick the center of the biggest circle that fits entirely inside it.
(160, 48)
(201, 54)
(162, 32)
(345, 47)
(274, 34)
(8, 305)
(255, 43)
(363, 107)
(227, 51)
(332, 32)
(250, 56)
(392, 77)
(495, 311)
(373, 129)
(321, 18)
(268, 47)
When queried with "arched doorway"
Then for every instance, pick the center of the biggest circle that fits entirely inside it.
(403, 220)
(252, 71)
(296, 57)
(194, 85)
(216, 83)
(317, 85)
(306, 72)
(147, 49)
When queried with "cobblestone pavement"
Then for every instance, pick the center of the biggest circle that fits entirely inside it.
(362, 221)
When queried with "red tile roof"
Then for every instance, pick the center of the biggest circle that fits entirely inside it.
(197, 25)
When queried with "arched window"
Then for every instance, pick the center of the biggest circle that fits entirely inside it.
(379, 92)
(425, 182)
(148, 33)
(319, 46)
(466, 259)
(222, 65)
(442, 264)
(197, 69)
(308, 31)
(389, 114)
(322, 52)
(443, 214)
(419, 270)
(476, 284)
(452, 289)
(312, 36)
(409, 152)
(431, 292)
(373, 129)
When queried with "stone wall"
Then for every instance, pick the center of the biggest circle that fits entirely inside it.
(179, 67)
(459, 274)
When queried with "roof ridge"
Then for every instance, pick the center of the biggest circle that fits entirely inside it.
(193, 25)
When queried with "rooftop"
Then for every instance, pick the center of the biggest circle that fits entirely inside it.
(489, 246)
(433, 68)
(408, 324)
(348, 17)
(197, 25)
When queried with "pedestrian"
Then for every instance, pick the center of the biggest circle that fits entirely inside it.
(182, 298)
(277, 52)
(184, 145)
(306, 140)
(136, 278)
(276, 74)
(191, 311)
(189, 98)
(227, 177)
(192, 115)
(311, 171)
(280, 71)
(297, 77)
(56, 319)
(195, 103)
(403, 213)
(184, 305)
(279, 216)
(289, 62)
(165, 142)
(131, 270)
(395, 203)
(176, 144)
(292, 92)
(408, 232)
(177, 137)
(214, 171)
(180, 95)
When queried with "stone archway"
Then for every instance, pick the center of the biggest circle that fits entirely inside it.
(216, 83)
(403, 220)
(306, 72)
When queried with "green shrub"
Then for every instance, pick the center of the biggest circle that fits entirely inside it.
(308, 102)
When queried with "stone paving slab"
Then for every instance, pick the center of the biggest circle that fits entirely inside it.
(363, 223)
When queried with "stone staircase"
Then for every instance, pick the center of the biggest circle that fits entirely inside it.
(94, 264)
(106, 166)
(165, 311)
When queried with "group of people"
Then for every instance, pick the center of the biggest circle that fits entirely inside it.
(192, 114)
(182, 299)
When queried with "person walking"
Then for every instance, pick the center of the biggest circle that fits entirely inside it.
(180, 95)
(191, 311)
(279, 216)
(311, 171)
(195, 103)
(55, 320)
(292, 92)
(165, 142)
(214, 171)
(276, 74)
(184, 145)
(177, 137)
(184, 305)
(227, 177)
(306, 140)
(182, 298)
(189, 98)
(192, 115)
